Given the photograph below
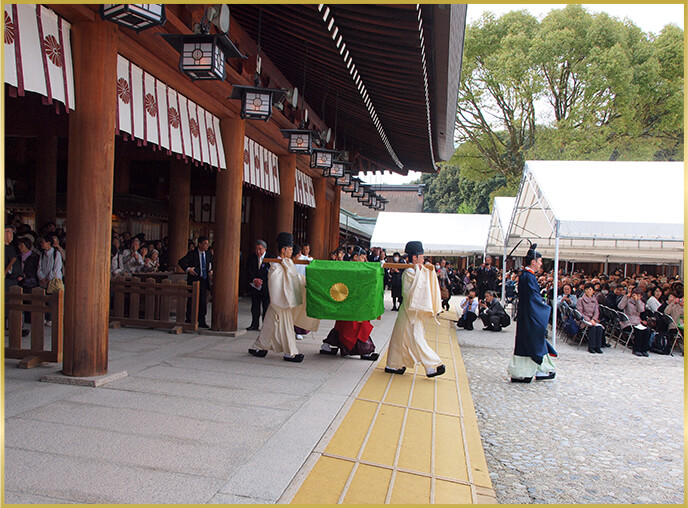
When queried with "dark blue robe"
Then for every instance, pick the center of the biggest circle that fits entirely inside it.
(532, 320)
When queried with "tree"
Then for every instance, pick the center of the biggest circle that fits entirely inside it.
(575, 86)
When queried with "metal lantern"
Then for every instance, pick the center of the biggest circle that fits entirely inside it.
(337, 170)
(135, 16)
(360, 192)
(256, 102)
(300, 140)
(365, 200)
(202, 56)
(373, 201)
(353, 186)
(344, 180)
(322, 158)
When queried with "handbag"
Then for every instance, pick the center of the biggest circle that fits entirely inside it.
(444, 293)
(54, 285)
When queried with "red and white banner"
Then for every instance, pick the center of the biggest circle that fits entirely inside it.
(260, 167)
(303, 192)
(151, 111)
(38, 53)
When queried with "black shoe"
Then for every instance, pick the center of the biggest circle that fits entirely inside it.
(252, 328)
(370, 356)
(332, 351)
(521, 379)
(260, 353)
(394, 308)
(203, 325)
(638, 353)
(25, 332)
(296, 358)
(440, 370)
(645, 353)
(591, 351)
(599, 351)
(486, 328)
(551, 375)
(606, 344)
(395, 371)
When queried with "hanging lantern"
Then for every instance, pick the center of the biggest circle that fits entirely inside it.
(344, 180)
(322, 158)
(353, 186)
(360, 192)
(337, 170)
(300, 140)
(135, 16)
(202, 56)
(256, 102)
(373, 201)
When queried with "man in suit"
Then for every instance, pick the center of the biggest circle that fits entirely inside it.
(258, 283)
(198, 265)
(486, 276)
(492, 313)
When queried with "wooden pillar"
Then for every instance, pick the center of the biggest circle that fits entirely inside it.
(285, 202)
(46, 180)
(122, 175)
(316, 224)
(178, 218)
(334, 220)
(227, 243)
(89, 198)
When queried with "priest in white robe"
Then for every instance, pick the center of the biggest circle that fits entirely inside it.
(421, 301)
(285, 287)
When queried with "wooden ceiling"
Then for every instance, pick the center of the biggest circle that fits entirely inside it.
(384, 43)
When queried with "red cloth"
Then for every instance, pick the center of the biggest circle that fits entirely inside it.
(352, 331)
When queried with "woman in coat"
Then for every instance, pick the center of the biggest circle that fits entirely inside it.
(632, 305)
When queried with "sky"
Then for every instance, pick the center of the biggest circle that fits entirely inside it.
(649, 17)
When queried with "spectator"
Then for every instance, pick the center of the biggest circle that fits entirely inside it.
(395, 282)
(632, 305)
(258, 283)
(12, 267)
(492, 313)
(567, 298)
(28, 277)
(116, 258)
(49, 268)
(198, 264)
(589, 309)
(486, 276)
(614, 297)
(675, 309)
(470, 311)
(152, 262)
(133, 261)
(655, 301)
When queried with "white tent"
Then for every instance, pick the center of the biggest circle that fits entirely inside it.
(442, 234)
(499, 224)
(499, 228)
(599, 211)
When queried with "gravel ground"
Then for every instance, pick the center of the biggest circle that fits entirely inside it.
(608, 429)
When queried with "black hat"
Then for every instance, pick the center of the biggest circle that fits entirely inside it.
(285, 240)
(532, 254)
(358, 250)
(414, 248)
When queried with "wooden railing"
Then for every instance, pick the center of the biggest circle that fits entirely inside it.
(150, 304)
(38, 304)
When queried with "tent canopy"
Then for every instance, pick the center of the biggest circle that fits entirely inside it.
(442, 234)
(499, 224)
(601, 210)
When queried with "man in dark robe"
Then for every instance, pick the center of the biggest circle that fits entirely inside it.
(532, 353)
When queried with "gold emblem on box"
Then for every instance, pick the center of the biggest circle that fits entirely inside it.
(339, 292)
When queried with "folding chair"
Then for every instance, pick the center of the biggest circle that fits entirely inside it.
(584, 329)
(671, 333)
(625, 335)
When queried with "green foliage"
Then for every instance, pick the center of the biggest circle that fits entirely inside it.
(574, 86)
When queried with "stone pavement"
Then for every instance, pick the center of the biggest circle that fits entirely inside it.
(198, 420)
(608, 429)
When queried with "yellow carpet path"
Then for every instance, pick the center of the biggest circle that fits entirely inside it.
(406, 438)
